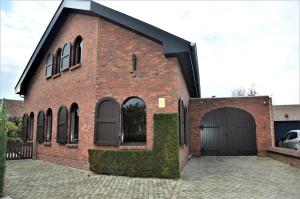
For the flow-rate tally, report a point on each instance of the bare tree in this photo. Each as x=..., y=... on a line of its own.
x=252, y=92
x=238, y=92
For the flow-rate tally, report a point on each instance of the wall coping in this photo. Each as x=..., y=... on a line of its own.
x=285, y=151
x=212, y=98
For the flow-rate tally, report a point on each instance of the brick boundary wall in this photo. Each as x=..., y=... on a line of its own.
x=288, y=156
x=258, y=107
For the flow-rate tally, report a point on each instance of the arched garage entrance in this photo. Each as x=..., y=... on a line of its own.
x=228, y=131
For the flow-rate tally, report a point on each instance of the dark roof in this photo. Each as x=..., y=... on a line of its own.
x=174, y=46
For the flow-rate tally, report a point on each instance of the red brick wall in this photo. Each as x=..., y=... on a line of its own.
x=258, y=107
x=104, y=71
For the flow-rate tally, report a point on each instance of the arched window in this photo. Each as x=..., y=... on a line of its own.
x=77, y=49
x=134, y=121
x=49, y=62
x=57, y=61
x=65, y=57
x=25, y=122
x=74, y=123
x=40, y=127
x=30, y=126
x=107, y=122
x=48, y=125
x=62, y=125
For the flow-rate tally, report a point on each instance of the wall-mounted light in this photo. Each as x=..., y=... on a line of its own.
x=133, y=65
x=286, y=116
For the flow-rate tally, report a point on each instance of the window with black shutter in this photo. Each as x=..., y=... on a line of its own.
x=49, y=63
x=30, y=126
x=48, y=125
x=186, y=125
x=65, y=57
x=134, y=121
x=25, y=122
x=181, y=121
x=62, y=125
x=74, y=123
x=107, y=122
x=40, y=127
x=57, y=61
x=77, y=50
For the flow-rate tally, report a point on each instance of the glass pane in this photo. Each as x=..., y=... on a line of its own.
x=134, y=120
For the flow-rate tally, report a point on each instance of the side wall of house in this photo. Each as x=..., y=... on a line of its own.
x=72, y=86
x=258, y=107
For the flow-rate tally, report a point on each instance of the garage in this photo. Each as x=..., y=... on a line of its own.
x=282, y=127
x=228, y=131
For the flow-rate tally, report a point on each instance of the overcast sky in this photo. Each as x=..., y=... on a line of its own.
x=240, y=44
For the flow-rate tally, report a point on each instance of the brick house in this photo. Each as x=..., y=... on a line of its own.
x=96, y=79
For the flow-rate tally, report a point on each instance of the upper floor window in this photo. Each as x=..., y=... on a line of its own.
x=65, y=56
x=49, y=62
x=77, y=55
x=134, y=121
x=56, y=68
x=62, y=125
x=74, y=124
x=40, y=127
x=48, y=125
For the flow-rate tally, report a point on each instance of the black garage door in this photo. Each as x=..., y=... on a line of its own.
x=228, y=131
x=283, y=127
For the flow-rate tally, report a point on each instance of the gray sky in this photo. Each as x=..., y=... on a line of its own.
x=240, y=44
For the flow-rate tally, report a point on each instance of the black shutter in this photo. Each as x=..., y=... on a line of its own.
x=181, y=121
x=25, y=127
x=40, y=127
x=107, y=122
x=62, y=125
x=49, y=64
x=186, y=125
x=65, y=57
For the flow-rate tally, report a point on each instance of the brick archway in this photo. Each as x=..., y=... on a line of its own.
x=258, y=107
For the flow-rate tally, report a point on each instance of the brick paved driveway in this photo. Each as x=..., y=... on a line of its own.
x=208, y=177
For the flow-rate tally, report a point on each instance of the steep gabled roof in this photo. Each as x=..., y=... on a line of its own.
x=173, y=46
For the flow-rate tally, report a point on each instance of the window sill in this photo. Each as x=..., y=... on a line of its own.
x=128, y=147
x=72, y=145
x=47, y=143
x=56, y=75
x=74, y=67
x=49, y=77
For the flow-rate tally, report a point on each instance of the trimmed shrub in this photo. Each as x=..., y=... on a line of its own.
x=161, y=162
x=2, y=147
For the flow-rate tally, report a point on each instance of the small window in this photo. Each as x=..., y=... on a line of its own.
x=56, y=69
x=48, y=125
x=186, y=125
x=30, y=127
x=62, y=125
x=181, y=121
x=74, y=124
x=134, y=121
x=77, y=55
x=65, y=57
x=40, y=127
x=25, y=122
x=107, y=122
x=49, y=63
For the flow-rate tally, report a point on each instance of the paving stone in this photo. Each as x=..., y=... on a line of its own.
x=207, y=177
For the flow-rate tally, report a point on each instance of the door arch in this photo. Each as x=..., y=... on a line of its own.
x=228, y=131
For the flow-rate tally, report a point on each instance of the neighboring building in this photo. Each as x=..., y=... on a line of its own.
x=91, y=66
x=14, y=108
x=286, y=118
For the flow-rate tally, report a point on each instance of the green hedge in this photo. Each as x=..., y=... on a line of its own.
x=2, y=147
x=161, y=162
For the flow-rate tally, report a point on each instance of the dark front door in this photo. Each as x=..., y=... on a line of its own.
x=228, y=131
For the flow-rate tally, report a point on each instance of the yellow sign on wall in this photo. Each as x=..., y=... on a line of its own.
x=161, y=103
